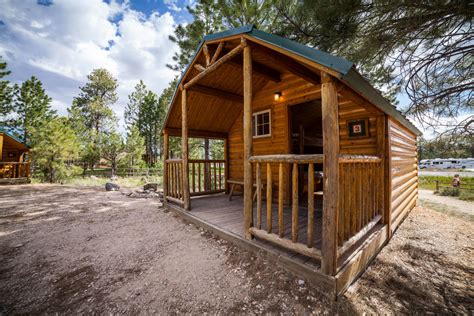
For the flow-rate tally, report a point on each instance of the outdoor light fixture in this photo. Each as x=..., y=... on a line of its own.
x=277, y=96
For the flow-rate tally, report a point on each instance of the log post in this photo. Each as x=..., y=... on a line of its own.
x=331, y=173
x=248, y=182
x=165, y=166
x=381, y=167
x=184, y=150
x=226, y=164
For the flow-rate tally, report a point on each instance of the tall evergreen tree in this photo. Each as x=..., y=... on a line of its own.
x=31, y=108
x=6, y=92
x=56, y=147
x=91, y=114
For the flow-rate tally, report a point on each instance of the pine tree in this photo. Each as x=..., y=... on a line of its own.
x=112, y=146
x=6, y=93
x=55, y=149
x=31, y=108
x=134, y=148
x=91, y=115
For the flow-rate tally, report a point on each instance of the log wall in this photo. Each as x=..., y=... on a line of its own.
x=404, y=171
x=294, y=90
x=351, y=109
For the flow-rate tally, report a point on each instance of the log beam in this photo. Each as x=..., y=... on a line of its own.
x=331, y=173
x=165, y=166
x=248, y=181
x=205, y=50
x=226, y=95
x=259, y=69
x=196, y=133
x=217, y=52
x=237, y=50
x=291, y=65
x=184, y=149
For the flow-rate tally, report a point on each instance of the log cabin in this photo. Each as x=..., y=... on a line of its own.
x=327, y=167
x=14, y=165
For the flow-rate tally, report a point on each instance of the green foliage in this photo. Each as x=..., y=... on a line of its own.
x=146, y=112
x=461, y=146
x=466, y=195
x=92, y=118
x=6, y=92
x=30, y=108
x=55, y=149
x=450, y=192
x=112, y=146
x=134, y=149
x=95, y=99
x=429, y=182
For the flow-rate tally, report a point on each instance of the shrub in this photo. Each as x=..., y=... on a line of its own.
x=450, y=192
x=466, y=195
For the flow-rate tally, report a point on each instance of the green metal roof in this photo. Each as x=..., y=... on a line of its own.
x=348, y=74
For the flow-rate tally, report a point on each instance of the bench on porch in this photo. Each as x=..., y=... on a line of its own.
x=233, y=183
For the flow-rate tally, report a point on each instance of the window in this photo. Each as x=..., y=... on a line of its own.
x=261, y=126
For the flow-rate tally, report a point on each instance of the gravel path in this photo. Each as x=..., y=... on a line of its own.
x=447, y=203
x=82, y=250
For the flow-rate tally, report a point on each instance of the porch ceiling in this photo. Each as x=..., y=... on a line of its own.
x=216, y=101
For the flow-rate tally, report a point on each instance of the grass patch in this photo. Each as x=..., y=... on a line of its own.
x=429, y=182
x=466, y=195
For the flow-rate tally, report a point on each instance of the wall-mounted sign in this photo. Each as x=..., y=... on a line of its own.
x=358, y=128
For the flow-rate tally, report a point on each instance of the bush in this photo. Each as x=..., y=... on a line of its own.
x=450, y=192
x=466, y=195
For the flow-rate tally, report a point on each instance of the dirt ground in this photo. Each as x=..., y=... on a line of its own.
x=67, y=249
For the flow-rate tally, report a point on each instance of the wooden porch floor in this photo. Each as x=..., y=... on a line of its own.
x=228, y=215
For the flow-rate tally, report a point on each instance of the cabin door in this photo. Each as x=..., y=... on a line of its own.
x=306, y=137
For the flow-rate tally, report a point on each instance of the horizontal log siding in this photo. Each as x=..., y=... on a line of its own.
x=403, y=172
x=294, y=90
x=350, y=109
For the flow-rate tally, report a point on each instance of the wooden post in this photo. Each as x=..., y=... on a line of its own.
x=1, y=147
x=380, y=192
x=310, y=233
x=165, y=166
x=248, y=182
x=388, y=180
x=184, y=150
x=269, y=198
x=331, y=173
x=226, y=164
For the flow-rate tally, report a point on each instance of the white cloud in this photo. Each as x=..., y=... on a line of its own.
x=63, y=42
x=172, y=5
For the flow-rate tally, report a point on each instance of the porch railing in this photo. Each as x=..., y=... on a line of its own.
x=294, y=161
x=12, y=170
x=206, y=176
x=360, y=198
x=174, y=174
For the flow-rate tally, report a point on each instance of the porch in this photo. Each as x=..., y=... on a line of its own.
x=278, y=132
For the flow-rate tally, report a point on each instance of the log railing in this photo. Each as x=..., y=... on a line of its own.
x=360, y=198
x=13, y=170
x=174, y=180
x=263, y=164
x=206, y=176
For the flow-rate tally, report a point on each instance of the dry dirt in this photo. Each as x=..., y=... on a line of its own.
x=83, y=250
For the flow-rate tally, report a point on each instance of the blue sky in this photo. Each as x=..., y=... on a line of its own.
x=62, y=41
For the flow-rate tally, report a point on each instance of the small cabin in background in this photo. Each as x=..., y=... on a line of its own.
x=327, y=167
x=14, y=164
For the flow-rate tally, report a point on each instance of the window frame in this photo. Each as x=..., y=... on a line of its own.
x=254, y=123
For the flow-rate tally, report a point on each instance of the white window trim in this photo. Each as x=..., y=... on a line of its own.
x=254, y=115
